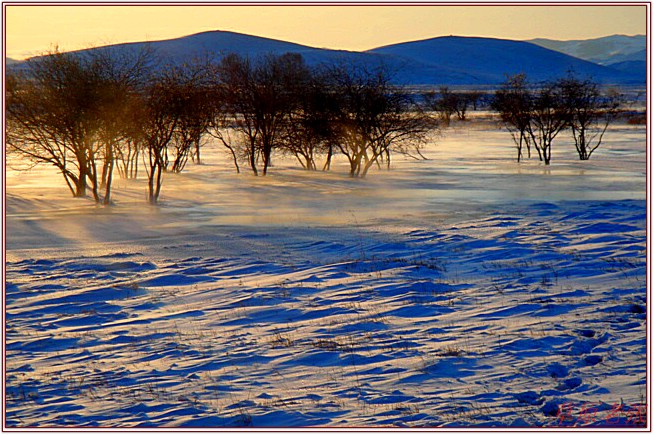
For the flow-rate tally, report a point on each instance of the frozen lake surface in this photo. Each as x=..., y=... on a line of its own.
x=463, y=290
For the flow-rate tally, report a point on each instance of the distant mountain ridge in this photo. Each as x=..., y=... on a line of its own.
x=450, y=60
x=619, y=52
x=606, y=50
x=489, y=60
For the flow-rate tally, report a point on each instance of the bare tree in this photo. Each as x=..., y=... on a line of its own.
x=122, y=74
x=237, y=83
x=448, y=103
x=474, y=98
x=65, y=110
x=159, y=116
x=514, y=101
x=45, y=116
x=221, y=128
x=549, y=116
x=259, y=94
x=376, y=118
x=196, y=111
x=309, y=130
x=444, y=103
x=128, y=152
x=590, y=112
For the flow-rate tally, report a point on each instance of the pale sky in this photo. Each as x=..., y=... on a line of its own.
x=33, y=29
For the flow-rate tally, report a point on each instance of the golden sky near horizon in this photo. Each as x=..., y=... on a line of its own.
x=33, y=29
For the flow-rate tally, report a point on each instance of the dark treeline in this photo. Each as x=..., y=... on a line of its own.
x=94, y=113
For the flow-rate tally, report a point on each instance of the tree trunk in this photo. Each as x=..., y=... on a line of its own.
x=80, y=183
x=547, y=153
x=328, y=162
x=108, y=160
x=353, y=168
x=109, y=164
x=107, y=188
x=159, y=182
x=267, y=150
x=197, y=153
x=93, y=174
x=253, y=162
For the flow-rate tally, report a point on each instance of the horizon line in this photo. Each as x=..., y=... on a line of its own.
x=22, y=58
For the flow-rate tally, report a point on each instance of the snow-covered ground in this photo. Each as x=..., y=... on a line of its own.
x=465, y=290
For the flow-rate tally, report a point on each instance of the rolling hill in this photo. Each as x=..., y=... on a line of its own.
x=488, y=60
x=444, y=60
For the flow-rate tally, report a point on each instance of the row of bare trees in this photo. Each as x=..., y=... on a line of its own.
x=89, y=113
x=446, y=103
x=279, y=103
x=70, y=113
x=94, y=112
x=535, y=115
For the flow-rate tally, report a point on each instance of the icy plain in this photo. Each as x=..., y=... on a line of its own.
x=463, y=290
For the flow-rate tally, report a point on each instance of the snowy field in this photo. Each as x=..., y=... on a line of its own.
x=465, y=290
